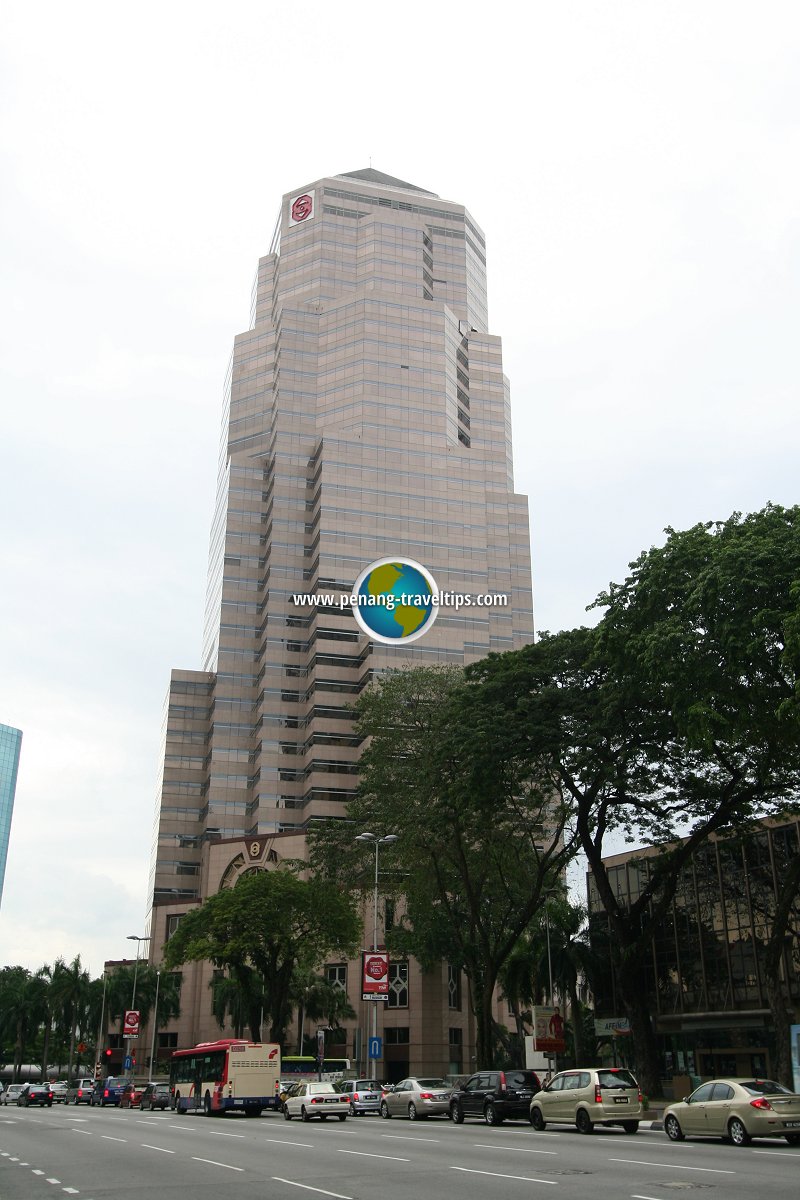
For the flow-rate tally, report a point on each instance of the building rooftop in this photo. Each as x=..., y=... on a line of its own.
x=370, y=175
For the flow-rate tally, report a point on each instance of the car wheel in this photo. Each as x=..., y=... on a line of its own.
x=490, y=1115
x=323, y=1116
x=737, y=1132
x=342, y=1116
x=672, y=1129
x=287, y=1116
x=456, y=1114
x=536, y=1119
x=304, y=1115
x=583, y=1121
x=412, y=1112
x=630, y=1126
x=793, y=1138
x=385, y=1111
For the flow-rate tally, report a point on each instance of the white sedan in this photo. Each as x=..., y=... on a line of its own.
x=316, y=1100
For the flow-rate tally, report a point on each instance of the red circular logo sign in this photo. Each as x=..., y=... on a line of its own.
x=132, y=1020
x=301, y=208
x=376, y=968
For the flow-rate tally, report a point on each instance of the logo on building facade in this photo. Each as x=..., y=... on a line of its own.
x=301, y=208
x=395, y=601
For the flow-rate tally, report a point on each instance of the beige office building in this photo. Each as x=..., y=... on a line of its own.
x=366, y=418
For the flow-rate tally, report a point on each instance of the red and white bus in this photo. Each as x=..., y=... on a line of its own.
x=226, y=1076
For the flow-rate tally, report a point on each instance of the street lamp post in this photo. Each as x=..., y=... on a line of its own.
x=155, y=1029
x=550, y=970
x=132, y=937
x=377, y=842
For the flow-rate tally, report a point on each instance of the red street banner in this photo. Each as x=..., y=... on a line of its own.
x=130, y=1025
x=374, y=975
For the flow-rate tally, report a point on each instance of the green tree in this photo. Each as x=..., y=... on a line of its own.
x=481, y=836
x=274, y=923
x=69, y=991
x=676, y=718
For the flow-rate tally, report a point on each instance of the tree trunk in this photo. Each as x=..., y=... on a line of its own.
x=645, y=1047
x=484, y=1023
x=576, y=1012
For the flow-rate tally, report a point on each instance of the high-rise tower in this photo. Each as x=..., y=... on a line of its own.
x=366, y=417
x=10, y=742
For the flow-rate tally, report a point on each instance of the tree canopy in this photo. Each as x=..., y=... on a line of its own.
x=264, y=930
x=481, y=834
x=674, y=719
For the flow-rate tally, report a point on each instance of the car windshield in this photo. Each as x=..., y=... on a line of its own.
x=766, y=1087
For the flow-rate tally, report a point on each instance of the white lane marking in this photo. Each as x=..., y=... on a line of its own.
x=188, y=1128
x=635, y=1197
x=13, y=1160
x=638, y=1162
x=72, y=1191
x=283, y=1142
x=213, y=1163
x=513, y=1149
x=400, y=1137
x=497, y=1175
x=309, y=1188
x=49, y=1180
x=82, y=1120
x=85, y=1132
x=161, y=1148
x=108, y=1138
x=783, y=1153
x=24, y=1164
x=35, y=1172
x=365, y=1154
x=5, y=1153
x=215, y=1133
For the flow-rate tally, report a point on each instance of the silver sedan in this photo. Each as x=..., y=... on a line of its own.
x=416, y=1099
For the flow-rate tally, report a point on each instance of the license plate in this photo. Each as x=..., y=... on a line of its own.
x=440, y=1095
x=620, y=1099
x=333, y=1100
x=792, y=1124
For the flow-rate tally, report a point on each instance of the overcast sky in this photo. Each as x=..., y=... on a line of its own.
x=635, y=167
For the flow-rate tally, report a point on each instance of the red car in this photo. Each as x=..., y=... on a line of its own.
x=132, y=1095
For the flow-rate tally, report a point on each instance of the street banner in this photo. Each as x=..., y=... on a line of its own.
x=612, y=1026
x=375, y=975
x=548, y=1029
x=130, y=1025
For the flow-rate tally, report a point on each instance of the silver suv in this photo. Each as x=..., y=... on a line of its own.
x=80, y=1091
x=364, y=1095
x=589, y=1097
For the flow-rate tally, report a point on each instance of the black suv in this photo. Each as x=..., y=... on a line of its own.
x=495, y=1095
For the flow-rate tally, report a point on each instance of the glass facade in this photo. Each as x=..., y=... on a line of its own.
x=705, y=976
x=10, y=742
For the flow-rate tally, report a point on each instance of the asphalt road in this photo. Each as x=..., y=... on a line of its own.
x=97, y=1153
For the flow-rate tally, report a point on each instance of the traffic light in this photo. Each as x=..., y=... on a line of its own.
x=107, y=1053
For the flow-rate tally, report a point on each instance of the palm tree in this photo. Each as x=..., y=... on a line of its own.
x=319, y=1000
x=70, y=994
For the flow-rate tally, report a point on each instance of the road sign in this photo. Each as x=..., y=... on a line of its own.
x=127, y=1062
x=375, y=1047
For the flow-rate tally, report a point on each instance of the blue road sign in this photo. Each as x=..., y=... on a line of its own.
x=375, y=1047
x=127, y=1063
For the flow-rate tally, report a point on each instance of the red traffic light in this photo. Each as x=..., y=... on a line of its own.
x=107, y=1053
